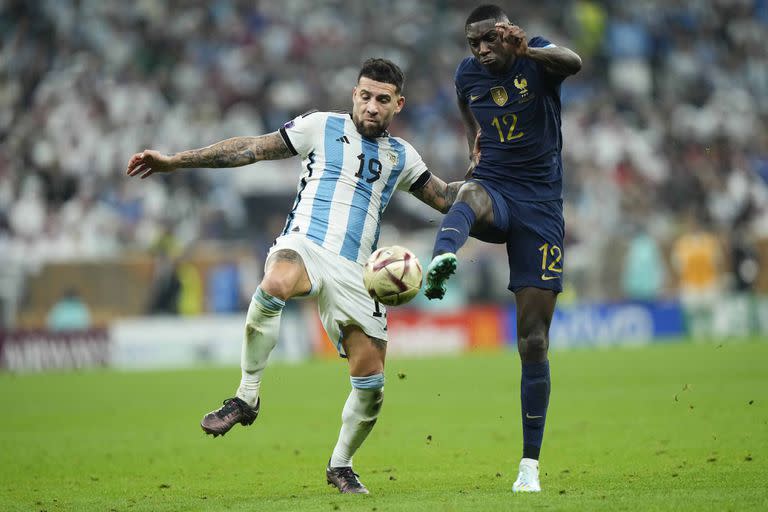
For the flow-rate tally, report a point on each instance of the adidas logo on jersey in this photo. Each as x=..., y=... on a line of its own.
x=343, y=139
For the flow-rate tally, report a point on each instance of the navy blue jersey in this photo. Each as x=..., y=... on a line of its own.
x=519, y=117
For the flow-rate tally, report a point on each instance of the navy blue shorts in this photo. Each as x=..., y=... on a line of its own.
x=533, y=232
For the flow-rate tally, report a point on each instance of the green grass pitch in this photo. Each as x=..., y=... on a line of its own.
x=667, y=427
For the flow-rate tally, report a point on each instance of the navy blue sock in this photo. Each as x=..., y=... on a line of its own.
x=454, y=230
x=534, y=398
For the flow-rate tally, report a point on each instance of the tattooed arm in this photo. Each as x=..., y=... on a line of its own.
x=233, y=152
x=437, y=194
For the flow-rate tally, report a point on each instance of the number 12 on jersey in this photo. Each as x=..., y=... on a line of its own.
x=506, y=123
x=555, y=253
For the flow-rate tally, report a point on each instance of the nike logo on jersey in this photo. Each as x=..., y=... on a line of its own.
x=343, y=139
x=545, y=277
x=473, y=97
x=450, y=229
x=532, y=417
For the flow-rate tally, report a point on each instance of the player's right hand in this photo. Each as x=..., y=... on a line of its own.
x=475, y=158
x=514, y=38
x=149, y=162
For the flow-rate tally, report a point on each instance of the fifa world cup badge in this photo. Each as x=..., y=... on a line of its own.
x=499, y=95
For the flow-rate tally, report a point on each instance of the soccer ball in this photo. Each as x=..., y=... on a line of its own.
x=392, y=275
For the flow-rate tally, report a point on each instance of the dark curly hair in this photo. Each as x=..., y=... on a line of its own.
x=486, y=12
x=383, y=70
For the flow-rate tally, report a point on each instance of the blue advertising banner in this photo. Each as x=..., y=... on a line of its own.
x=609, y=324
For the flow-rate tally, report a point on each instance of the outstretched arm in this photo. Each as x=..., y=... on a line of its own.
x=557, y=60
x=438, y=194
x=233, y=152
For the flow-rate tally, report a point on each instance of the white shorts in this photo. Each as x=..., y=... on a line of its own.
x=338, y=285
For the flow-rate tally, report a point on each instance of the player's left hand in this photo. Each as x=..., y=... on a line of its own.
x=514, y=39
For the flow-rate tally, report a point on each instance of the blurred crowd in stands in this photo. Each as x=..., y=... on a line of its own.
x=665, y=128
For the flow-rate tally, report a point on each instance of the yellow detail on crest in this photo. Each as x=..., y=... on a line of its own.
x=392, y=157
x=522, y=86
x=499, y=95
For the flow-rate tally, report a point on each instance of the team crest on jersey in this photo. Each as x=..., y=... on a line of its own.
x=522, y=85
x=392, y=156
x=499, y=95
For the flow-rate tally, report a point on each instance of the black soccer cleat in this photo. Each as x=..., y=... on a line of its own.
x=233, y=411
x=345, y=480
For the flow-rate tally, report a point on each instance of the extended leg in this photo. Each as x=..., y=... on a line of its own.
x=535, y=308
x=286, y=277
x=473, y=205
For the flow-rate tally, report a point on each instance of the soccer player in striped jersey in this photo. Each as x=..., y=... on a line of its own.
x=509, y=98
x=351, y=166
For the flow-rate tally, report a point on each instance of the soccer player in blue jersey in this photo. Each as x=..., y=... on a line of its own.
x=350, y=167
x=509, y=99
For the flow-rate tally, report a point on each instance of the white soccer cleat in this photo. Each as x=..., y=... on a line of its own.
x=528, y=477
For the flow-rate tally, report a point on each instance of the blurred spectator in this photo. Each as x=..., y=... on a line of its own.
x=697, y=257
x=166, y=287
x=69, y=313
x=223, y=288
x=670, y=111
x=644, y=270
x=745, y=265
x=590, y=20
x=190, y=299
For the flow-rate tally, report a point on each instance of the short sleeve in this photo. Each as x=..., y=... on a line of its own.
x=459, y=80
x=551, y=79
x=299, y=133
x=459, y=91
x=540, y=42
x=413, y=170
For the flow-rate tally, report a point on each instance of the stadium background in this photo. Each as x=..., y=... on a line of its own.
x=666, y=165
x=666, y=169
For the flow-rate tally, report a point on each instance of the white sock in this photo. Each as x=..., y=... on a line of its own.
x=250, y=384
x=262, y=325
x=357, y=420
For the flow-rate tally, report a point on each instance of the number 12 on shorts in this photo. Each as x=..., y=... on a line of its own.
x=551, y=256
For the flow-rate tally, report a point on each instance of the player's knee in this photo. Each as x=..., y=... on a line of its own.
x=279, y=285
x=286, y=276
x=470, y=193
x=533, y=347
x=477, y=198
x=365, y=364
x=365, y=355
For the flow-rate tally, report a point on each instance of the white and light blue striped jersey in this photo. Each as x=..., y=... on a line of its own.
x=347, y=181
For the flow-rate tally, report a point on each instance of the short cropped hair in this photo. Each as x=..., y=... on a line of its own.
x=383, y=70
x=486, y=12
